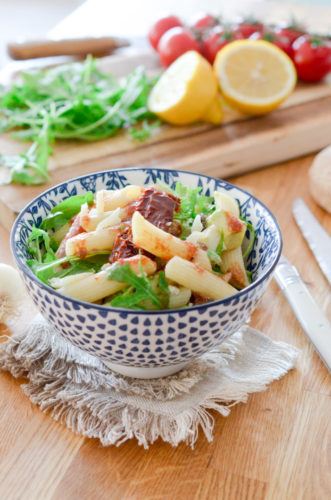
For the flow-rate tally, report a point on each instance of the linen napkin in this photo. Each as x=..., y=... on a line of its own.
x=78, y=390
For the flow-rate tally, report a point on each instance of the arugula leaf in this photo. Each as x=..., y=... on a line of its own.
x=213, y=256
x=141, y=289
x=192, y=204
x=64, y=211
x=249, y=276
x=52, y=269
x=220, y=246
x=30, y=167
x=252, y=237
x=145, y=131
x=71, y=101
x=163, y=288
x=37, y=238
x=129, y=301
x=71, y=206
x=46, y=271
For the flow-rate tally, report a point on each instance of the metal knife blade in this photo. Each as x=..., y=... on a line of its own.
x=311, y=317
x=317, y=238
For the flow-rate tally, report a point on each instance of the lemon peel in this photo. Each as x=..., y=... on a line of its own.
x=185, y=90
x=254, y=76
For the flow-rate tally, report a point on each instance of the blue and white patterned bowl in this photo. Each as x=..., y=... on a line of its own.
x=148, y=343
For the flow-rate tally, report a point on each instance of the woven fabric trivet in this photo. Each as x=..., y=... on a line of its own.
x=78, y=390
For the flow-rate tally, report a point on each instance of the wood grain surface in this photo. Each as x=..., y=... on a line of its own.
x=302, y=125
x=275, y=447
x=240, y=144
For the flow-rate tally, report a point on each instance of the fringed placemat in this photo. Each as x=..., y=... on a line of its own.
x=78, y=390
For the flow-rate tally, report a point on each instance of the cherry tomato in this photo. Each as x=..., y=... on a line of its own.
x=203, y=21
x=291, y=31
x=244, y=28
x=160, y=27
x=215, y=40
x=174, y=43
x=312, y=58
x=280, y=41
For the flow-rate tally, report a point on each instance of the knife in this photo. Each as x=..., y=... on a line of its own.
x=317, y=238
x=31, y=49
x=311, y=317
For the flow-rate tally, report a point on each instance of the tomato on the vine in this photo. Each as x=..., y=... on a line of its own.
x=244, y=28
x=202, y=22
x=291, y=31
x=174, y=43
x=312, y=57
x=215, y=40
x=160, y=27
x=281, y=42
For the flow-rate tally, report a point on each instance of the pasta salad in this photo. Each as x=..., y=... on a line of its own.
x=143, y=247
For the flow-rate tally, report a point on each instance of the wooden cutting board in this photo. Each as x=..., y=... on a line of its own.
x=300, y=126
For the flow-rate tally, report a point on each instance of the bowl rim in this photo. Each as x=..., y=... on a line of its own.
x=26, y=270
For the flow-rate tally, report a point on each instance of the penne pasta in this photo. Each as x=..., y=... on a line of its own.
x=197, y=279
x=97, y=286
x=198, y=236
x=209, y=237
x=165, y=245
x=113, y=219
x=67, y=280
x=90, y=221
x=179, y=296
x=100, y=202
x=85, y=243
x=225, y=202
x=232, y=261
x=121, y=197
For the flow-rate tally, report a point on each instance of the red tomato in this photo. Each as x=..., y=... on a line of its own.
x=160, y=27
x=281, y=42
x=246, y=27
x=312, y=58
x=216, y=39
x=203, y=21
x=174, y=43
x=291, y=31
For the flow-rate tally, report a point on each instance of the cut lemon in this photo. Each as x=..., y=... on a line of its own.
x=254, y=76
x=214, y=112
x=185, y=90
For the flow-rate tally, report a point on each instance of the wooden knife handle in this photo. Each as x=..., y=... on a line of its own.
x=71, y=47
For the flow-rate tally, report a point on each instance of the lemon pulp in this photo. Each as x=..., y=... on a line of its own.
x=185, y=90
x=254, y=76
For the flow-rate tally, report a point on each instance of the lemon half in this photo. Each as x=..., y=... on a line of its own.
x=254, y=76
x=185, y=91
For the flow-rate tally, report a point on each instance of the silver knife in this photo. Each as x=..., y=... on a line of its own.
x=317, y=238
x=311, y=317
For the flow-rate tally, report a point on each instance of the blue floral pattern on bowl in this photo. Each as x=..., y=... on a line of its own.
x=149, y=338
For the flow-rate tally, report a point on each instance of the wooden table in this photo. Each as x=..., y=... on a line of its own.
x=273, y=447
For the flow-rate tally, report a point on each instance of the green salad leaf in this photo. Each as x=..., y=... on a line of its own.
x=140, y=289
x=47, y=270
x=213, y=256
x=71, y=101
x=37, y=240
x=252, y=237
x=192, y=204
x=64, y=211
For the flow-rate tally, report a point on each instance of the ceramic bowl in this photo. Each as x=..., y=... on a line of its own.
x=148, y=344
